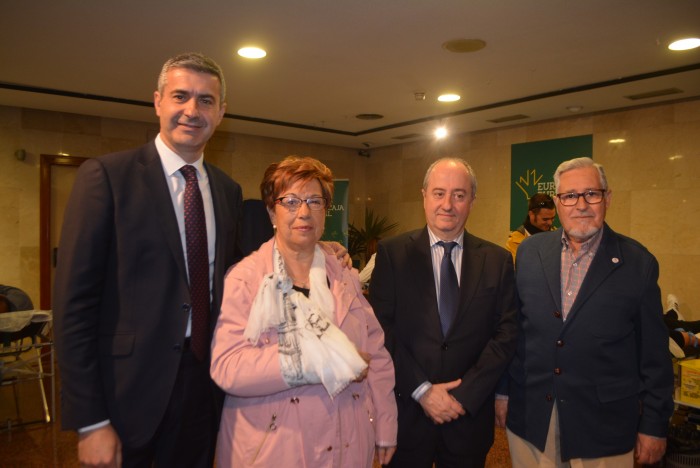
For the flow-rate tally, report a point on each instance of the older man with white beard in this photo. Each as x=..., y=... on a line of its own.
x=591, y=383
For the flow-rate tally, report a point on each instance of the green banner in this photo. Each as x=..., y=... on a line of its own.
x=337, y=214
x=532, y=170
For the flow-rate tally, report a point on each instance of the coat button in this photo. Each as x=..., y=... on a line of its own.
x=444, y=346
x=177, y=347
x=560, y=343
x=185, y=307
x=548, y=397
x=557, y=370
x=557, y=314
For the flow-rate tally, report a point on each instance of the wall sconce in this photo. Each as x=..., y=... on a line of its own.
x=21, y=155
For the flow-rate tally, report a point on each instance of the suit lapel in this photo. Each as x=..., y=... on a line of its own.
x=472, y=265
x=418, y=254
x=550, y=255
x=163, y=205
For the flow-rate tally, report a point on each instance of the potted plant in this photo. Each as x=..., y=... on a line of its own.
x=362, y=242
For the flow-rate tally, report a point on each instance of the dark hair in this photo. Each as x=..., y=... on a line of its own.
x=196, y=62
x=539, y=201
x=281, y=175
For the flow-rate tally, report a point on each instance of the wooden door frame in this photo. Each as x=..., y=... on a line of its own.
x=45, y=261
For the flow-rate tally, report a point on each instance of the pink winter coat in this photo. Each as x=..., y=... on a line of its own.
x=267, y=423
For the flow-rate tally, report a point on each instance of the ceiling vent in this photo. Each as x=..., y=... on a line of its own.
x=510, y=118
x=653, y=94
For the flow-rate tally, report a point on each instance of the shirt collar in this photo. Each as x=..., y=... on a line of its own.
x=591, y=245
x=172, y=162
x=435, y=239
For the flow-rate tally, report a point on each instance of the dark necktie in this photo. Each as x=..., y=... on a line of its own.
x=449, y=288
x=197, y=263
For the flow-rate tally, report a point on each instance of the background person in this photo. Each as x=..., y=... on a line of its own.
x=591, y=383
x=539, y=218
x=134, y=364
x=297, y=348
x=451, y=335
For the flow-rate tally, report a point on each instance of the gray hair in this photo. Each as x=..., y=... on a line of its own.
x=196, y=62
x=579, y=163
x=472, y=176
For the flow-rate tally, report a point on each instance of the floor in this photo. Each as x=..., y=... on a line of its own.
x=44, y=445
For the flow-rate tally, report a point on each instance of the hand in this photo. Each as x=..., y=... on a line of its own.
x=341, y=253
x=384, y=454
x=501, y=412
x=649, y=449
x=439, y=405
x=100, y=448
x=363, y=375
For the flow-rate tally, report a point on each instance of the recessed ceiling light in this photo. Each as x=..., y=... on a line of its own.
x=449, y=98
x=440, y=133
x=675, y=157
x=616, y=141
x=685, y=44
x=252, y=52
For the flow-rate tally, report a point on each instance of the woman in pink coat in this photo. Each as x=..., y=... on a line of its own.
x=297, y=347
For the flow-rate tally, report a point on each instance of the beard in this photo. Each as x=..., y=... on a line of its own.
x=582, y=234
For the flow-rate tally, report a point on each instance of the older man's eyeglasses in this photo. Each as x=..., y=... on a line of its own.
x=592, y=197
x=294, y=203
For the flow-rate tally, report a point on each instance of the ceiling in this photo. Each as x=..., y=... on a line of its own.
x=329, y=60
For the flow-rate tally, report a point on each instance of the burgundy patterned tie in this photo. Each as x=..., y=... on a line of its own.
x=197, y=262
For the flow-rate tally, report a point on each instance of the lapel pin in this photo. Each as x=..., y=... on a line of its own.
x=615, y=260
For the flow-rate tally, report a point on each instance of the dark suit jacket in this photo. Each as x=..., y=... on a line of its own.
x=607, y=361
x=477, y=348
x=121, y=296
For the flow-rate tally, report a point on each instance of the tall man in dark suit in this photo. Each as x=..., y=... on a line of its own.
x=591, y=382
x=135, y=378
x=451, y=335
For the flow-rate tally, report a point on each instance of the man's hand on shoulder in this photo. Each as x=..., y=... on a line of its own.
x=337, y=249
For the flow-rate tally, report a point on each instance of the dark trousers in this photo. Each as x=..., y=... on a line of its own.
x=187, y=434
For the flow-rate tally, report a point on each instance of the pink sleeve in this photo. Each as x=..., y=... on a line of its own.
x=237, y=366
x=381, y=379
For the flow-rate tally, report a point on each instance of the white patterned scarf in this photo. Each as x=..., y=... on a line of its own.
x=312, y=349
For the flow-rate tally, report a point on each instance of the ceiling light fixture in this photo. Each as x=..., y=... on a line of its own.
x=449, y=97
x=252, y=52
x=685, y=44
x=616, y=141
x=440, y=133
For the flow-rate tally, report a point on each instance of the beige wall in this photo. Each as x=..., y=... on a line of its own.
x=654, y=175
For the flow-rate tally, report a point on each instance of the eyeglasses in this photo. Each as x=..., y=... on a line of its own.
x=592, y=197
x=294, y=203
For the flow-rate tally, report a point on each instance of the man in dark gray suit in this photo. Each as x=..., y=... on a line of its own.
x=591, y=383
x=450, y=344
x=132, y=383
